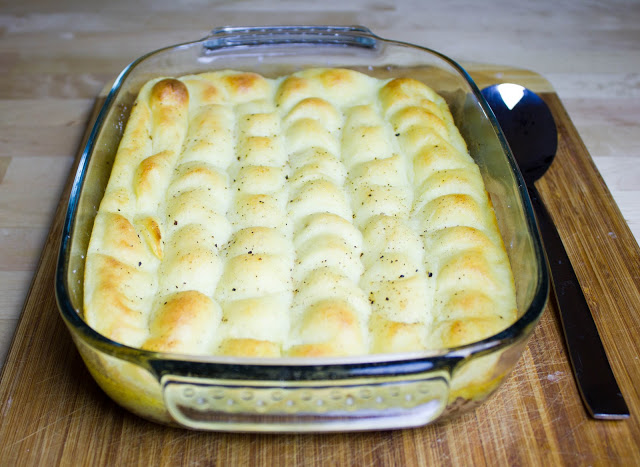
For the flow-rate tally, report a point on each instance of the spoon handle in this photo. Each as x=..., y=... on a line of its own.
x=596, y=382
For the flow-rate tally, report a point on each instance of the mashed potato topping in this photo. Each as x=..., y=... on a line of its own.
x=324, y=213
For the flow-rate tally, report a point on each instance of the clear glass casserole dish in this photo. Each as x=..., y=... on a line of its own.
x=311, y=394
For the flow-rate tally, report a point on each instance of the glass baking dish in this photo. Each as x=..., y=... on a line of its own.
x=295, y=394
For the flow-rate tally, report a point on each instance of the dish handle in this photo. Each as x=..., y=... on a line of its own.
x=305, y=406
x=226, y=37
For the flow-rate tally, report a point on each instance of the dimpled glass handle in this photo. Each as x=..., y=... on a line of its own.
x=257, y=36
x=304, y=406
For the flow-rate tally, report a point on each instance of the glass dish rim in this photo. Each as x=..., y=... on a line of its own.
x=140, y=356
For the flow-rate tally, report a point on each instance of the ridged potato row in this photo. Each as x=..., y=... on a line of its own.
x=466, y=260
x=330, y=312
x=394, y=277
x=324, y=213
x=255, y=289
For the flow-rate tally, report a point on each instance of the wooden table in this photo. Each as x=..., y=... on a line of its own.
x=56, y=59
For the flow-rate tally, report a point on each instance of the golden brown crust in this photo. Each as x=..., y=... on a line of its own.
x=168, y=101
x=328, y=328
x=168, y=92
x=113, y=305
x=150, y=230
x=185, y=323
x=325, y=213
x=246, y=86
x=395, y=336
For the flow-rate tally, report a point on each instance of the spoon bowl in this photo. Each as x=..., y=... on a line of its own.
x=528, y=125
x=530, y=130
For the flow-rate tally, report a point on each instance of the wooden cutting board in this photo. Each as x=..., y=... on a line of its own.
x=53, y=412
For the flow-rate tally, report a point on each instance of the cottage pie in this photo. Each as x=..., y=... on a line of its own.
x=324, y=213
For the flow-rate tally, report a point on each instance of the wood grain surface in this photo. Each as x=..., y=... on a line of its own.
x=53, y=412
x=55, y=57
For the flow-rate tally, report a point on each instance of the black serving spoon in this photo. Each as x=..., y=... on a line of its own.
x=531, y=132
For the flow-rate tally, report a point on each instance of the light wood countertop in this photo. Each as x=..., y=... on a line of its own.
x=56, y=57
